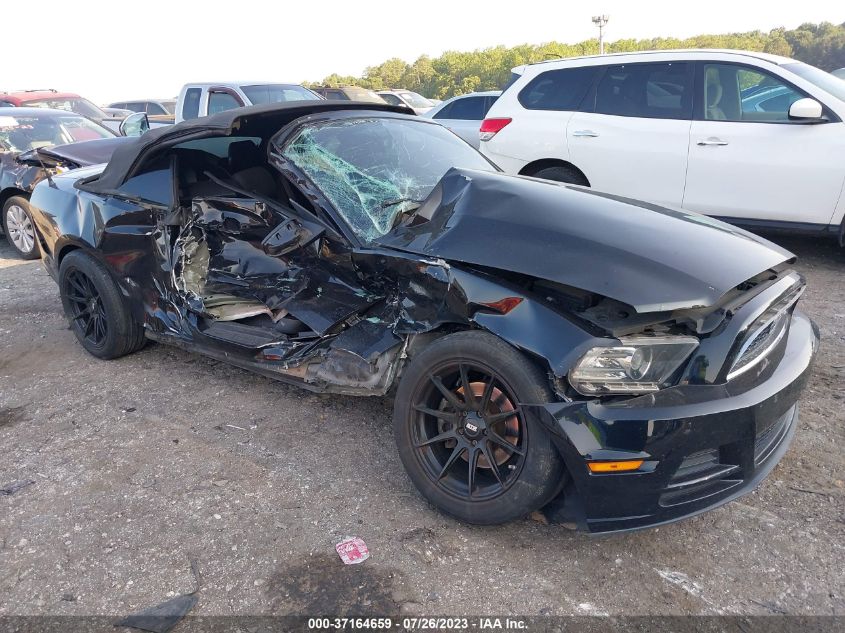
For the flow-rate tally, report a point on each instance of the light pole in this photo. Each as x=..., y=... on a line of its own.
x=601, y=22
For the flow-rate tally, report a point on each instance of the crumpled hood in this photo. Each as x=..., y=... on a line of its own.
x=647, y=256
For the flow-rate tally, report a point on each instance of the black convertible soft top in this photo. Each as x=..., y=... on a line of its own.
x=261, y=120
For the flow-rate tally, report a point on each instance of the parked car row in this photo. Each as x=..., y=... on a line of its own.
x=68, y=101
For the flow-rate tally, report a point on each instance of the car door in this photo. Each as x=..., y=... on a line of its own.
x=748, y=160
x=632, y=135
x=463, y=116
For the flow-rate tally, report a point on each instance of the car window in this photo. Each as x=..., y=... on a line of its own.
x=191, y=103
x=78, y=105
x=444, y=113
x=336, y=94
x=468, y=108
x=277, y=93
x=20, y=134
x=221, y=101
x=829, y=82
x=154, y=108
x=733, y=92
x=561, y=89
x=655, y=91
x=391, y=99
x=416, y=100
x=217, y=146
x=169, y=106
x=362, y=94
x=132, y=105
x=370, y=168
x=155, y=184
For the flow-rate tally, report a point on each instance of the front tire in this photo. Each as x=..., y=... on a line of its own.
x=19, y=227
x=95, y=308
x=465, y=441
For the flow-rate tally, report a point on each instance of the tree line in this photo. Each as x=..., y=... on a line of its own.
x=456, y=72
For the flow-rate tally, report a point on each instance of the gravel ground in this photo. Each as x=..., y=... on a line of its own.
x=145, y=463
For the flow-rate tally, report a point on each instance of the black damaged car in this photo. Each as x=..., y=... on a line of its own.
x=36, y=143
x=617, y=363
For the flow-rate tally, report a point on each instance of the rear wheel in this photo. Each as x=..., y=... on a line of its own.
x=95, y=308
x=562, y=173
x=465, y=440
x=19, y=228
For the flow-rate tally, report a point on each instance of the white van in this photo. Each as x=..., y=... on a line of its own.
x=753, y=138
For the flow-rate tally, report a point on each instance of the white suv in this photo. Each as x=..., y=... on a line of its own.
x=752, y=138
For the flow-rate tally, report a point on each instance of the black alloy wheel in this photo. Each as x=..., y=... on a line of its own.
x=465, y=440
x=470, y=436
x=86, y=310
x=97, y=310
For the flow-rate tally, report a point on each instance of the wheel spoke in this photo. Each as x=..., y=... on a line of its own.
x=442, y=437
x=450, y=397
x=89, y=326
x=498, y=417
x=78, y=286
x=488, y=392
x=469, y=396
x=76, y=297
x=488, y=453
x=101, y=328
x=83, y=314
x=437, y=413
x=498, y=439
x=472, y=464
x=456, y=452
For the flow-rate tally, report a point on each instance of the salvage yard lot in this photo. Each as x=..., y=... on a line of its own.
x=145, y=463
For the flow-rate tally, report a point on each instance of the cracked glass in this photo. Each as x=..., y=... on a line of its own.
x=373, y=170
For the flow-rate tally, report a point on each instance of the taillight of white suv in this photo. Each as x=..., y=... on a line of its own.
x=490, y=127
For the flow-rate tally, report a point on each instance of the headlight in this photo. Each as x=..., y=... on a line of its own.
x=640, y=365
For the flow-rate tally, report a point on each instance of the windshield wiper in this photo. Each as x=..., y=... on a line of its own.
x=393, y=203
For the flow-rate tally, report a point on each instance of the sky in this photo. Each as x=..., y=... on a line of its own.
x=109, y=51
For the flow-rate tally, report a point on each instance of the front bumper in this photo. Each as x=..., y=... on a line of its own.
x=702, y=445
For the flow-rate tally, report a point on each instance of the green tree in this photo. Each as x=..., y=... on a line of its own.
x=458, y=72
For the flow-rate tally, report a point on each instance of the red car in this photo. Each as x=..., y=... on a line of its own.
x=58, y=101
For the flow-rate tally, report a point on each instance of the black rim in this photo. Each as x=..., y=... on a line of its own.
x=86, y=308
x=468, y=431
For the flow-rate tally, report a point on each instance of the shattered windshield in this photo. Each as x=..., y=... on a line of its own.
x=374, y=169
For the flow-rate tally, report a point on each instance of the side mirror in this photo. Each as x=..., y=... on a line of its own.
x=806, y=109
x=134, y=125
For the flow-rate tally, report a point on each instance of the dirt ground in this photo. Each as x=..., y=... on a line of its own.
x=145, y=463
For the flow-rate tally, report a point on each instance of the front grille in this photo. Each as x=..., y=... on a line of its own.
x=700, y=475
x=765, y=332
x=768, y=439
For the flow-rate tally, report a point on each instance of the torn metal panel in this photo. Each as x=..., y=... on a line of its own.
x=367, y=339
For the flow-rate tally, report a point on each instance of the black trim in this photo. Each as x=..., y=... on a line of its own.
x=808, y=228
